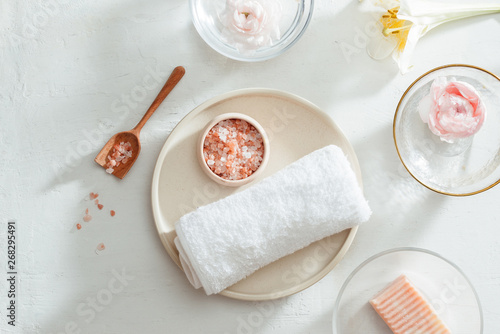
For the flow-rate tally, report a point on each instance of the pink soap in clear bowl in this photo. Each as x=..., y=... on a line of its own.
x=233, y=149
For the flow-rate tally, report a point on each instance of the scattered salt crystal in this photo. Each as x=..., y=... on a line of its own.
x=100, y=247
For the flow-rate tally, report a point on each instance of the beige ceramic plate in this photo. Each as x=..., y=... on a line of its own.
x=295, y=128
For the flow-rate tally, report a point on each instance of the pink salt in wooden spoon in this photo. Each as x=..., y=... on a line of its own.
x=117, y=151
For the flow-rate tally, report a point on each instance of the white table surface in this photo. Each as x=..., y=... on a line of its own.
x=66, y=72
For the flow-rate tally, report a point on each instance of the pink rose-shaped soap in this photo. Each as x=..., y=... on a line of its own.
x=453, y=109
x=251, y=24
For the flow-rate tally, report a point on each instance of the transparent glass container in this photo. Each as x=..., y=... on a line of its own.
x=469, y=165
x=208, y=19
x=441, y=282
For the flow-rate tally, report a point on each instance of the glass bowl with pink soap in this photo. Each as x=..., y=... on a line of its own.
x=447, y=130
x=251, y=30
x=407, y=290
x=233, y=149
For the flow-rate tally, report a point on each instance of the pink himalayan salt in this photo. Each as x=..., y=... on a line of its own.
x=233, y=149
x=121, y=153
x=87, y=217
x=96, y=202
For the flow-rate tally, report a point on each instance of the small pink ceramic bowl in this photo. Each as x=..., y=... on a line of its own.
x=219, y=179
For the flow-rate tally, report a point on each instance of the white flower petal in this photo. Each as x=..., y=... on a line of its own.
x=404, y=58
x=435, y=12
x=381, y=47
x=251, y=24
x=424, y=15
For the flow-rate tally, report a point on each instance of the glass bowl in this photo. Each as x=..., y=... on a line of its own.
x=210, y=19
x=442, y=283
x=466, y=167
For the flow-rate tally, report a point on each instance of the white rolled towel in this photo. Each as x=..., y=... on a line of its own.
x=310, y=199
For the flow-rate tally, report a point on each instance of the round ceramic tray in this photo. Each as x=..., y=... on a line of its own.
x=295, y=127
x=442, y=283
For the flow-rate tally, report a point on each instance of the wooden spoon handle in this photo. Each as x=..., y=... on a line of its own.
x=173, y=80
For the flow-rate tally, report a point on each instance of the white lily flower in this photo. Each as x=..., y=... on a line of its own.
x=405, y=24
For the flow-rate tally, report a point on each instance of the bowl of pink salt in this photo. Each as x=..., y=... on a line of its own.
x=446, y=130
x=233, y=149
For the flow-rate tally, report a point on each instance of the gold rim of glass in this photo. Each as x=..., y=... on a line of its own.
x=396, y=142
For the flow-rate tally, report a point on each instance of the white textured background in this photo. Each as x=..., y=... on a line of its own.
x=67, y=70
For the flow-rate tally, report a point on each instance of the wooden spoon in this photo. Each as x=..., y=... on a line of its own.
x=132, y=136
